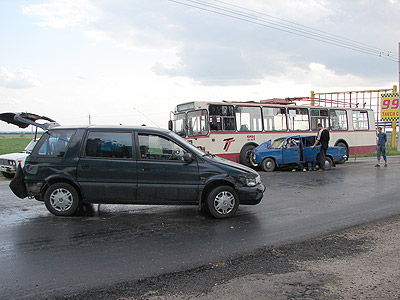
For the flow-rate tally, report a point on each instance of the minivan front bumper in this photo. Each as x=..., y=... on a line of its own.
x=251, y=195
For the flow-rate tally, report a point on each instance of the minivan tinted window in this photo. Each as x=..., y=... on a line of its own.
x=55, y=143
x=109, y=144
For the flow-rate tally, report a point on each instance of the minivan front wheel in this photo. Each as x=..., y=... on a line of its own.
x=222, y=202
x=61, y=199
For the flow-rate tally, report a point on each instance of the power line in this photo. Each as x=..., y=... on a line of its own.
x=307, y=27
x=287, y=26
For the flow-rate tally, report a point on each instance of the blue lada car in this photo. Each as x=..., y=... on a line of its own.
x=294, y=150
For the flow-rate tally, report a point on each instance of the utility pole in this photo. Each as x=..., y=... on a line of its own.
x=398, y=139
x=90, y=119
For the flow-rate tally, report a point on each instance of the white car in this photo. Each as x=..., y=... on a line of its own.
x=9, y=162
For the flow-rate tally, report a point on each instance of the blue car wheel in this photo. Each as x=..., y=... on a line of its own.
x=268, y=164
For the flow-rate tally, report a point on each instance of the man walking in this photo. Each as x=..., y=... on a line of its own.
x=381, y=140
x=323, y=139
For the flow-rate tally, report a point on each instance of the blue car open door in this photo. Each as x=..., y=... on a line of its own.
x=310, y=154
x=291, y=151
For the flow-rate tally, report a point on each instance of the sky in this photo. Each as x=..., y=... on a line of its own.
x=131, y=62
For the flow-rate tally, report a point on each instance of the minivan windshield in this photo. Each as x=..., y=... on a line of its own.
x=188, y=145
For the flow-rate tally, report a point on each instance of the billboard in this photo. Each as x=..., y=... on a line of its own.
x=390, y=107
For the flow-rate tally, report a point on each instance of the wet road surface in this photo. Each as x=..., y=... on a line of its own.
x=42, y=255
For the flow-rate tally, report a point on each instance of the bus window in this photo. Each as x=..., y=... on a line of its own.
x=222, y=118
x=248, y=118
x=360, y=120
x=274, y=119
x=180, y=124
x=338, y=119
x=319, y=115
x=298, y=119
x=197, y=122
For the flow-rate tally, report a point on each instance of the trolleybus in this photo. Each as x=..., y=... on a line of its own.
x=232, y=130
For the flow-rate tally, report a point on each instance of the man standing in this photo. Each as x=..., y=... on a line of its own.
x=381, y=140
x=323, y=139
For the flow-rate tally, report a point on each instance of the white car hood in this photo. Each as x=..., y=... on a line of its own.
x=14, y=156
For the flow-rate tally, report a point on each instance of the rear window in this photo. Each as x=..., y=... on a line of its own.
x=55, y=143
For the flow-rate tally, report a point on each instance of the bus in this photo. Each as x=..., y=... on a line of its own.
x=232, y=130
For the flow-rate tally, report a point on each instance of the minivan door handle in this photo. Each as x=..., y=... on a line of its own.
x=85, y=167
x=145, y=169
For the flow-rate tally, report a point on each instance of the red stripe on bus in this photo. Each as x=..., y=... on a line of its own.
x=362, y=149
x=230, y=156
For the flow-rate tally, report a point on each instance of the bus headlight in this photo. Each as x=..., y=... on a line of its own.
x=250, y=179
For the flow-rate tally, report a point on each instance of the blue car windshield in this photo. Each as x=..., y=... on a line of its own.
x=277, y=144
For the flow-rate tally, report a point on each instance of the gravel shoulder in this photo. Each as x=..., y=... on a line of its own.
x=358, y=263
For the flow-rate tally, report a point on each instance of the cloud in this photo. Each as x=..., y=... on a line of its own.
x=213, y=49
x=214, y=65
x=63, y=13
x=20, y=79
x=228, y=50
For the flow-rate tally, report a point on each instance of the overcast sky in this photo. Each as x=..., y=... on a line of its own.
x=132, y=61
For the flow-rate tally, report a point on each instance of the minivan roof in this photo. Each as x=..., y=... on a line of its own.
x=111, y=127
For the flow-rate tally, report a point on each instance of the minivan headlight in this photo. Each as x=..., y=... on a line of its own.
x=250, y=179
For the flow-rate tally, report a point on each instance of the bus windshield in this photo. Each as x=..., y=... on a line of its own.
x=180, y=124
x=197, y=122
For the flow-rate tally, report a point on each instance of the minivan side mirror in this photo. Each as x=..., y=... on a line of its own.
x=170, y=125
x=187, y=157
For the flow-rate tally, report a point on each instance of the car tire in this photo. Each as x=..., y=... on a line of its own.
x=222, y=202
x=246, y=156
x=8, y=175
x=61, y=199
x=328, y=163
x=343, y=145
x=268, y=164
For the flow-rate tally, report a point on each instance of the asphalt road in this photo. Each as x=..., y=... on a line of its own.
x=42, y=255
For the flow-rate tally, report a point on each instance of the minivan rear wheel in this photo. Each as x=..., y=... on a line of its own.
x=61, y=199
x=222, y=202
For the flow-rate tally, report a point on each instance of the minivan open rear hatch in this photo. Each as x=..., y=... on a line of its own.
x=25, y=119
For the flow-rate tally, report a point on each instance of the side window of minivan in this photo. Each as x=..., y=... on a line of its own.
x=159, y=148
x=55, y=143
x=109, y=144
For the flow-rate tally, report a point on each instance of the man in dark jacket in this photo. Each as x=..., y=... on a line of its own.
x=323, y=139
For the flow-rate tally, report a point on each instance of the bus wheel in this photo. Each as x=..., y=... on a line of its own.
x=268, y=164
x=328, y=163
x=343, y=145
x=246, y=156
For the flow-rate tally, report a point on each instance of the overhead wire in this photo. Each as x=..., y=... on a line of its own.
x=307, y=27
x=286, y=26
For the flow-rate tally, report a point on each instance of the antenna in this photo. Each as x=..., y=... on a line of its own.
x=147, y=117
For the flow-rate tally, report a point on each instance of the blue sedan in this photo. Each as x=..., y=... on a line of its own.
x=294, y=150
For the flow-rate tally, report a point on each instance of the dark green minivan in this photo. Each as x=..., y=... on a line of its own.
x=70, y=166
